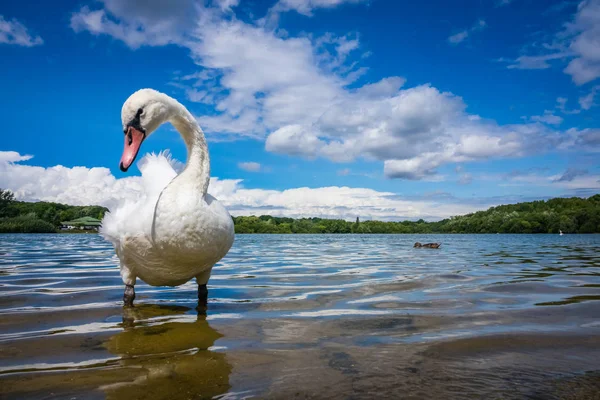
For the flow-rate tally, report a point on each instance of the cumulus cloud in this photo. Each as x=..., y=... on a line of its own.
x=14, y=32
x=548, y=118
x=588, y=139
x=250, y=166
x=306, y=7
x=586, y=102
x=153, y=23
x=13, y=156
x=294, y=140
x=301, y=96
x=227, y=5
x=462, y=35
x=585, y=43
x=578, y=43
x=413, y=132
x=87, y=186
x=76, y=186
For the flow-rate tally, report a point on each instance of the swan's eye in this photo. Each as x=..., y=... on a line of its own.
x=140, y=111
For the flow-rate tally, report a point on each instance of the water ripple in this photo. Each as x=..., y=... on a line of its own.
x=308, y=295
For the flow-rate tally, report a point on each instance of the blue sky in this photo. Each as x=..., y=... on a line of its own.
x=374, y=107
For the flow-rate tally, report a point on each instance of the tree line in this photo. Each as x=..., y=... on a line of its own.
x=40, y=217
x=570, y=215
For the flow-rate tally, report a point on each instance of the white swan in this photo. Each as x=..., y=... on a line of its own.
x=176, y=231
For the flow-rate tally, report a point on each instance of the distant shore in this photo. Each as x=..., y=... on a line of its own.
x=569, y=215
x=74, y=232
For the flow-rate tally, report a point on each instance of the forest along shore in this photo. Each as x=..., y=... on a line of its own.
x=569, y=215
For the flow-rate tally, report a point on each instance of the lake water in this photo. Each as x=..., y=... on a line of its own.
x=294, y=316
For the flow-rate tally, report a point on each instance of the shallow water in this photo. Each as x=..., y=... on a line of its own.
x=294, y=316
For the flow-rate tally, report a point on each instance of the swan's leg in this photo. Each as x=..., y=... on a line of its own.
x=128, y=296
x=202, y=296
x=129, y=281
x=202, y=279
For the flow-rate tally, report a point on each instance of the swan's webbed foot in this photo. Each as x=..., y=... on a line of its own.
x=128, y=296
x=202, y=298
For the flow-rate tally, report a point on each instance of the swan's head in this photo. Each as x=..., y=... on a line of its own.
x=143, y=112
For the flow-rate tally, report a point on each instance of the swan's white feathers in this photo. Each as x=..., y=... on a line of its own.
x=157, y=171
x=129, y=228
x=174, y=230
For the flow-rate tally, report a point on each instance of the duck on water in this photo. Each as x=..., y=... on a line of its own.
x=428, y=245
x=175, y=231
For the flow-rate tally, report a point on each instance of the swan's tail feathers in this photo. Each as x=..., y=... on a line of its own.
x=157, y=171
x=109, y=229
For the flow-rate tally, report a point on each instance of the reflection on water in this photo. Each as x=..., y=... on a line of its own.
x=153, y=356
x=485, y=316
x=169, y=360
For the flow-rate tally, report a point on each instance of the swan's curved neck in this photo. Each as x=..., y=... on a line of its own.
x=197, y=168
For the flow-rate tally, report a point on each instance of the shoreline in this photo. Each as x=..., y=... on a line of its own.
x=327, y=233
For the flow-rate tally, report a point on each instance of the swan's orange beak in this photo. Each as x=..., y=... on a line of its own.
x=133, y=141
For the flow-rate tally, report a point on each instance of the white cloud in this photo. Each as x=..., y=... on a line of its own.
x=153, y=23
x=77, y=185
x=461, y=36
x=87, y=186
x=294, y=140
x=250, y=166
x=585, y=44
x=578, y=42
x=227, y=5
x=458, y=37
x=384, y=88
x=548, y=118
x=537, y=62
x=586, y=102
x=561, y=105
x=266, y=81
x=415, y=168
x=13, y=156
x=570, y=181
x=502, y=3
x=306, y=7
x=296, y=93
x=413, y=132
x=465, y=179
x=14, y=32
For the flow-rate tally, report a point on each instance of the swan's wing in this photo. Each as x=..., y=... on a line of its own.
x=133, y=217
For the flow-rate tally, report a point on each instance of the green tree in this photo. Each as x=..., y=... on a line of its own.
x=6, y=199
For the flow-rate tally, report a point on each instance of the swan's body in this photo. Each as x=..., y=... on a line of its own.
x=170, y=236
x=175, y=231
